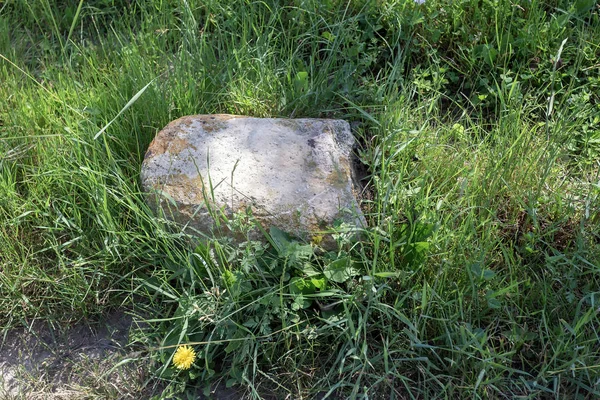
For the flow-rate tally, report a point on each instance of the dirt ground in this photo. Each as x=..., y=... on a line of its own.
x=89, y=360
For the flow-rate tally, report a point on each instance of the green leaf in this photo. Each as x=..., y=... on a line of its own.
x=420, y=247
x=388, y=274
x=236, y=376
x=319, y=283
x=492, y=301
x=340, y=270
x=300, y=302
x=301, y=82
x=280, y=239
x=235, y=344
x=328, y=35
x=583, y=6
x=486, y=52
x=488, y=274
x=298, y=251
x=309, y=269
x=302, y=286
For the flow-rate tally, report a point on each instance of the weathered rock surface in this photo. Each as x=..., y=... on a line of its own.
x=294, y=174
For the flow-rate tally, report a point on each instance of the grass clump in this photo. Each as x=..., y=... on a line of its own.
x=479, y=273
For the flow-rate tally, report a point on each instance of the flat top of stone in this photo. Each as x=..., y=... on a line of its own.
x=278, y=166
x=257, y=128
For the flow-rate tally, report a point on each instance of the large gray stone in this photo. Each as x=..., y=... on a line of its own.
x=294, y=174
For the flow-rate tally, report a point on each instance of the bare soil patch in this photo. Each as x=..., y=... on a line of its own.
x=92, y=359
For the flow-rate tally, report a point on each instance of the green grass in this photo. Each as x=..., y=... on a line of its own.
x=479, y=274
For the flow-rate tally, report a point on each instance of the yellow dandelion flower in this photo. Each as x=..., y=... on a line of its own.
x=184, y=357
